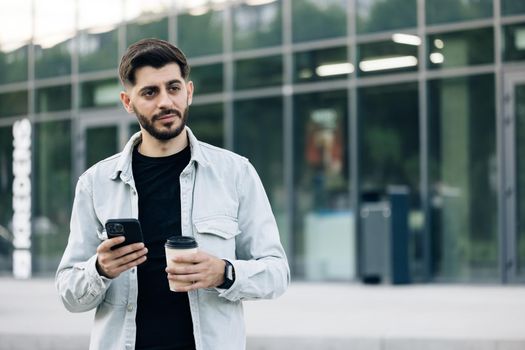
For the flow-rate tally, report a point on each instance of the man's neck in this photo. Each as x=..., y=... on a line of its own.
x=152, y=147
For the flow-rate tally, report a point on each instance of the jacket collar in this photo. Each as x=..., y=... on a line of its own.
x=123, y=167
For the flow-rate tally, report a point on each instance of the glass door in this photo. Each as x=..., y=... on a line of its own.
x=513, y=247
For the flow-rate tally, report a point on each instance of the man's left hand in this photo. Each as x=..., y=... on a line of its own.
x=201, y=268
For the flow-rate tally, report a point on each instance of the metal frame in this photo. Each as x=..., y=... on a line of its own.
x=509, y=189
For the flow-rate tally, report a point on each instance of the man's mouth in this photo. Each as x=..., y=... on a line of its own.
x=167, y=115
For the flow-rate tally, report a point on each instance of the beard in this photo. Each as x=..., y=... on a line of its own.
x=164, y=132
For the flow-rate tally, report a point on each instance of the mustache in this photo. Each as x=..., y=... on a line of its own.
x=166, y=112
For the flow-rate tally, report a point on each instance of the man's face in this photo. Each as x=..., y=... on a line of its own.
x=160, y=99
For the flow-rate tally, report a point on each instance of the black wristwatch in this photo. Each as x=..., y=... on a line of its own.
x=229, y=275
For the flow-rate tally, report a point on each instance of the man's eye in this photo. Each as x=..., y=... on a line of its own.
x=174, y=88
x=148, y=93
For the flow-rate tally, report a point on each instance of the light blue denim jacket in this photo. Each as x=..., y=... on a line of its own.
x=223, y=205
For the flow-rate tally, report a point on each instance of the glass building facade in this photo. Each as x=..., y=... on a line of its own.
x=335, y=102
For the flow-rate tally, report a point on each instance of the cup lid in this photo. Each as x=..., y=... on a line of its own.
x=181, y=242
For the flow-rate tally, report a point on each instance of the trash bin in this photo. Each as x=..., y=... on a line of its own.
x=385, y=239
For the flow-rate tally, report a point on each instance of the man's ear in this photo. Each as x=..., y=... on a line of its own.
x=126, y=101
x=189, y=88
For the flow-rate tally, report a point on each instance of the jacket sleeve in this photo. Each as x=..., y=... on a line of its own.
x=80, y=286
x=261, y=268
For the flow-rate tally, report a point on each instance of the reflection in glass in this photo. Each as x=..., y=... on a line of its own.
x=97, y=51
x=52, y=193
x=147, y=29
x=512, y=7
x=322, y=64
x=258, y=135
x=100, y=93
x=142, y=8
x=99, y=14
x=315, y=20
x=442, y=11
x=386, y=57
x=324, y=239
x=200, y=35
x=390, y=153
x=457, y=49
x=13, y=65
x=6, y=195
x=514, y=42
x=463, y=178
x=15, y=28
x=207, y=79
x=13, y=103
x=55, y=98
x=101, y=142
x=257, y=26
x=380, y=15
x=54, y=23
x=390, y=149
x=53, y=61
x=206, y=122
x=258, y=72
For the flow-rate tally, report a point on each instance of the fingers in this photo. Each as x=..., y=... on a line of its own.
x=203, y=270
x=111, y=263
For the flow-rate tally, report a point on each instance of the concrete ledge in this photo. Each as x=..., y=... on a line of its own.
x=78, y=342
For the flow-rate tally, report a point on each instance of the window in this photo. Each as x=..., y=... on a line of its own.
x=201, y=34
x=322, y=64
x=258, y=135
x=207, y=78
x=463, y=178
x=315, y=20
x=13, y=103
x=206, y=122
x=257, y=26
x=100, y=93
x=136, y=31
x=324, y=239
x=514, y=42
x=386, y=57
x=380, y=15
x=258, y=72
x=444, y=11
x=52, y=193
x=464, y=48
x=13, y=64
x=50, y=99
x=6, y=195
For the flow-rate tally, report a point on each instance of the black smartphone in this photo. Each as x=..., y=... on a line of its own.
x=130, y=228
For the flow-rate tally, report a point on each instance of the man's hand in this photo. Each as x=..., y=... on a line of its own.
x=111, y=263
x=203, y=269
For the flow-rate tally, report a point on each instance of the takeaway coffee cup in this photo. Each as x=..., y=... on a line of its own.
x=177, y=246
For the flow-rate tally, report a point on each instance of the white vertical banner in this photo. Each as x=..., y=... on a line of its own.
x=22, y=199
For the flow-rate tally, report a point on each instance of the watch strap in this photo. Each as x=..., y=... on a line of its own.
x=229, y=275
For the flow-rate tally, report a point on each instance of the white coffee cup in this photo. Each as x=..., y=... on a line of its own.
x=177, y=246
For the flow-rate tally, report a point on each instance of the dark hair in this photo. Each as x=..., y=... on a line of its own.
x=150, y=52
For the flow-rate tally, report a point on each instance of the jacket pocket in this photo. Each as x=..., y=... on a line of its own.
x=216, y=235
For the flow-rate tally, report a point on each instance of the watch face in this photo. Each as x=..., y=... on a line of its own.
x=229, y=272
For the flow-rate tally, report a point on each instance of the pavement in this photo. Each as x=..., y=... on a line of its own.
x=308, y=316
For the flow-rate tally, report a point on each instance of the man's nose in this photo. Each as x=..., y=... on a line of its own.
x=164, y=100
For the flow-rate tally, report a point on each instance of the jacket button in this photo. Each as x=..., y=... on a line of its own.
x=130, y=307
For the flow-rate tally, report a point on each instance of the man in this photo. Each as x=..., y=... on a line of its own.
x=174, y=185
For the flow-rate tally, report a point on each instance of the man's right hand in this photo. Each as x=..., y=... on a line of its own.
x=111, y=263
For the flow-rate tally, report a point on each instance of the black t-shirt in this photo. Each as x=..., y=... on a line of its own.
x=163, y=317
